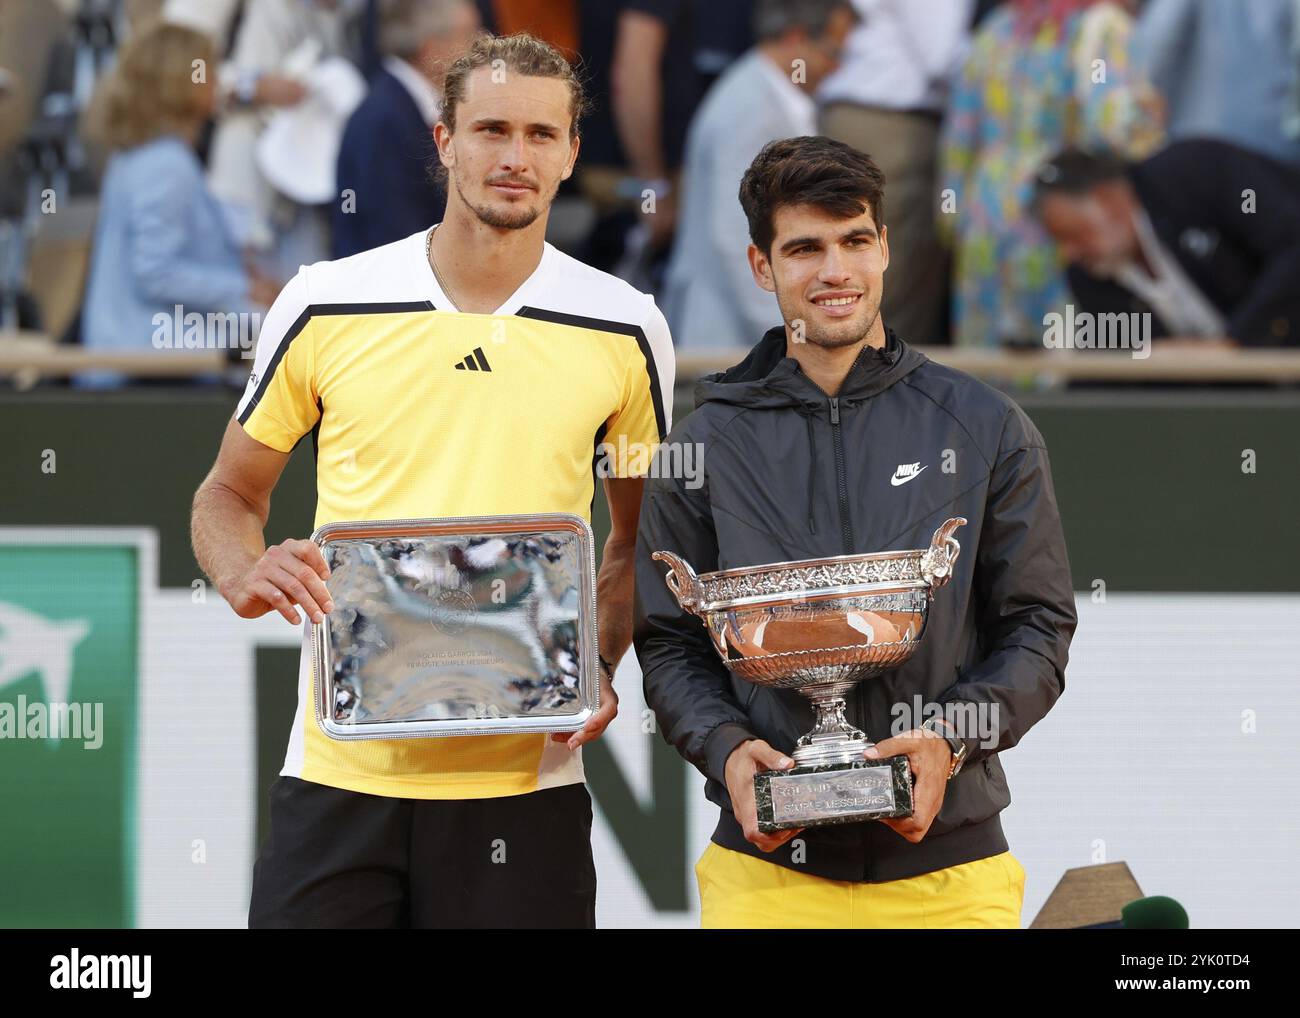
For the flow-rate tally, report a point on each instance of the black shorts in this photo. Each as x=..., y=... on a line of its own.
x=339, y=859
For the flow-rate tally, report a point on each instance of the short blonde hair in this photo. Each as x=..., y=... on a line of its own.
x=522, y=53
x=155, y=88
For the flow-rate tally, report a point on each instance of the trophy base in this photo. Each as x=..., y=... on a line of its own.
x=838, y=793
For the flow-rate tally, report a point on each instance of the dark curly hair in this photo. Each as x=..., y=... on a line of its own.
x=834, y=177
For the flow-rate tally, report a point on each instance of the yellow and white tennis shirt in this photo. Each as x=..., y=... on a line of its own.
x=417, y=410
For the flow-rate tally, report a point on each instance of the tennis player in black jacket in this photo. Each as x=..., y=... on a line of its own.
x=834, y=437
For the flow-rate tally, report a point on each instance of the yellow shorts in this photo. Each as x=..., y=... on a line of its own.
x=738, y=891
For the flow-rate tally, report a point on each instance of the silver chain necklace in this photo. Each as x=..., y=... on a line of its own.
x=433, y=263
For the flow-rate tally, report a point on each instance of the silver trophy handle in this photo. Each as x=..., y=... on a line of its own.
x=682, y=581
x=937, y=562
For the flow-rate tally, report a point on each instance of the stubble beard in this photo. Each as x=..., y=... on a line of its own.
x=831, y=338
x=506, y=219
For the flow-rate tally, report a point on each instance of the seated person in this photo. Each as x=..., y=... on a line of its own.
x=162, y=250
x=1204, y=236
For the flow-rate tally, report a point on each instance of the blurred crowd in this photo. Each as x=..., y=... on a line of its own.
x=1042, y=157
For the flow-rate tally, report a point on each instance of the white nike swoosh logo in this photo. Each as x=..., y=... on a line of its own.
x=896, y=480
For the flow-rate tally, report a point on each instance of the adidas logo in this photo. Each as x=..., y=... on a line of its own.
x=474, y=362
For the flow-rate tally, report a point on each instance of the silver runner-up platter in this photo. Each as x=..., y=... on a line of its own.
x=479, y=625
x=820, y=626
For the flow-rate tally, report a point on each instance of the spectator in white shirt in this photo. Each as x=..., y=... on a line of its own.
x=710, y=298
x=888, y=100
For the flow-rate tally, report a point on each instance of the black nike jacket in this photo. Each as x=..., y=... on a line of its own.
x=790, y=473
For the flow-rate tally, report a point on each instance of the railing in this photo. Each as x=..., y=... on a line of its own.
x=1046, y=366
x=28, y=357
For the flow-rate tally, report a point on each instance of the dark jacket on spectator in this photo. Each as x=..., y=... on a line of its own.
x=790, y=473
x=386, y=159
x=1246, y=263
